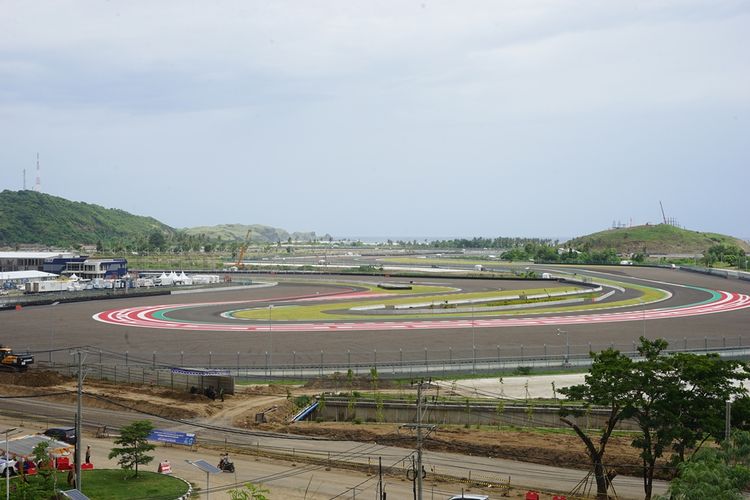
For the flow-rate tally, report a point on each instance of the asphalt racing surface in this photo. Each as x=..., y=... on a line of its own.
x=59, y=327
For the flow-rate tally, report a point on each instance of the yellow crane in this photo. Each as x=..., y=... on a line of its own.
x=243, y=249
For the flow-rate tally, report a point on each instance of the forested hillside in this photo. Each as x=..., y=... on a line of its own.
x=31, y=217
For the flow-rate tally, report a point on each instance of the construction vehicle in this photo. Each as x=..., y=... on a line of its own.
x=9, y=361
x=243, y=249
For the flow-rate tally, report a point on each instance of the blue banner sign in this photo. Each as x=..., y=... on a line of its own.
x=186, y=438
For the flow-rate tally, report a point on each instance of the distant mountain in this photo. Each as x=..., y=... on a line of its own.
x=658, y=239
x=258, y=233
x=29, y=217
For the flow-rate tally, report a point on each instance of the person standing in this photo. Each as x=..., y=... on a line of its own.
x=88, y=454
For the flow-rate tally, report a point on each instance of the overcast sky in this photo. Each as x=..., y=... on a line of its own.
x=409, y=118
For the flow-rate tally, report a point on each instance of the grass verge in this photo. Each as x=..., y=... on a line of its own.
x=115, y=484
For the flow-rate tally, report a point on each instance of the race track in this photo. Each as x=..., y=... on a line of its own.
x=192, y=327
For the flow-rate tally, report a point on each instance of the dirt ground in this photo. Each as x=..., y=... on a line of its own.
x=547, y=447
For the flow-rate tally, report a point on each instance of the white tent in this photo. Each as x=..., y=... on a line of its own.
x=165, y=280
x=24, y=446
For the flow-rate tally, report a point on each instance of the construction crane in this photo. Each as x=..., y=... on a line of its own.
x=662, y=212
x=243, y=249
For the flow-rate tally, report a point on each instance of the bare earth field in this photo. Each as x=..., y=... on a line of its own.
x=547, y=447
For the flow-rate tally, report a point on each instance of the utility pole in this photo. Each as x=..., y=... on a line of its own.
x=79, y=419
x=381, y=496
x=419, y=441
x=418, y=468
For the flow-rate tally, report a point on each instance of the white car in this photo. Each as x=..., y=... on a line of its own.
x=469, y=496
x=10, y=465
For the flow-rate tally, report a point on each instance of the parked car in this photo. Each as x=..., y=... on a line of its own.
x=469, y=496
x=66, y=435
x=10, y=465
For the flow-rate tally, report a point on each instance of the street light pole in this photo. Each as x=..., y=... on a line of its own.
x=7, y=464
x=473, y=343
x=270, y=339
x=567, y=345
x=52, y=333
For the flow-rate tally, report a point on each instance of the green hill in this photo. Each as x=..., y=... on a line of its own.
x=658, y=239
x=28, y=217
x=258, y=233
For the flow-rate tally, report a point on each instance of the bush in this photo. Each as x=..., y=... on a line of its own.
x=302, y=401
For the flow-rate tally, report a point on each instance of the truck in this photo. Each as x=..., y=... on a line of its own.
x=10, y=361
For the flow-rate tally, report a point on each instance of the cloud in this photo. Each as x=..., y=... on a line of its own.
x=459, y=108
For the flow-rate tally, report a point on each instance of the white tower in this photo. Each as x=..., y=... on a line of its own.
x=38, y=184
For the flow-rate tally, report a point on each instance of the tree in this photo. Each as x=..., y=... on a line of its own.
x=680, y=403
x=135, y=445
x=676, y=400
x=156, y=240
x=46, y=483
x=608, y=384
x=715, y=473
x=249, y=492
x=706, y=383
x=723, y=252
x=653, y=402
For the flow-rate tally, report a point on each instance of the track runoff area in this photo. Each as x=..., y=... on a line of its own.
x=352, y=304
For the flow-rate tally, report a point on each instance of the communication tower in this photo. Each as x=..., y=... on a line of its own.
x=38, y=183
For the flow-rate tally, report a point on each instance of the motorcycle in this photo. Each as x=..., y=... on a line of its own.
x=226, y=465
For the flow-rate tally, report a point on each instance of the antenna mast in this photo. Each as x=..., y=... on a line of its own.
x=38, y=184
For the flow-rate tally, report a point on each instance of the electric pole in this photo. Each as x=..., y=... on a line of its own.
x=79, y=419
x=418, y=468
x=419, y=440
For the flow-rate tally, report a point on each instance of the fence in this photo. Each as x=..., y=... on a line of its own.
x=145, y=375
x=155, y=369
x=722, y=273
x=49, y=298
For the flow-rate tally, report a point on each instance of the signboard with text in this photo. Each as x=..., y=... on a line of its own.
x=185, y=438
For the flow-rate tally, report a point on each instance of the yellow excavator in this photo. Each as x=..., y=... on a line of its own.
x=243, y=249
x=9, y=361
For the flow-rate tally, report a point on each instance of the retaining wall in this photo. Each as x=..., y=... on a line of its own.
x=459, y=414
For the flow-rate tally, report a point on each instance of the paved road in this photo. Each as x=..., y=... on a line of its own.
x=521, y=473
x=284, y=479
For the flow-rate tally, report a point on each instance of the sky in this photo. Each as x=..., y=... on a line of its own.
x=411, y=118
